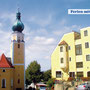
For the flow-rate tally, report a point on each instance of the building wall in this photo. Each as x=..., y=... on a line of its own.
x=86, y=51
x=18, y=53
x=55, y=58
x=72, y=39
x=19, y=74
x=69, y=39
x=8, y=75
x=55, y=62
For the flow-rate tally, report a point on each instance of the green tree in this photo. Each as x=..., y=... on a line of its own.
x=33, y=73
x=46, y=75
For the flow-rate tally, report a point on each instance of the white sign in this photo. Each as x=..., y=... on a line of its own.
x=78, y=11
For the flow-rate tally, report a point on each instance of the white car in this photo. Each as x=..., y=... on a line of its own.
x=84, y=86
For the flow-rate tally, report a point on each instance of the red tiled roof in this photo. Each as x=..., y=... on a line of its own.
x=4, y=62
x=62, y=43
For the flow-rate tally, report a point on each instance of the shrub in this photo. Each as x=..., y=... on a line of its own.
x=85, y=78
x=51, y=82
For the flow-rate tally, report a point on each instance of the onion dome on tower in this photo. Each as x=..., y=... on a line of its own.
x=18, y=25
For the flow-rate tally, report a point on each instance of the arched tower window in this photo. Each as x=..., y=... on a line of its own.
x=11, y=82
x=18, y=81
x=18, y=45
x=3, y=83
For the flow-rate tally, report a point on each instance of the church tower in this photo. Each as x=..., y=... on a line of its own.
x=18, y=53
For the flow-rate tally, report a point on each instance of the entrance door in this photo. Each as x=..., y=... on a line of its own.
x=18, y=88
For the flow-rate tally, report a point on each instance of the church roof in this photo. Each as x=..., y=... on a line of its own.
x=4, y=62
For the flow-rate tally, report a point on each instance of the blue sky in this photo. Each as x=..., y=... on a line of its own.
x=45, y=23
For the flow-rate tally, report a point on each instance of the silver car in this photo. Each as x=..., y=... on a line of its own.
x=84, y=86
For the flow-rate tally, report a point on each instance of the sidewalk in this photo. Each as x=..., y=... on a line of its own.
x=72, y=88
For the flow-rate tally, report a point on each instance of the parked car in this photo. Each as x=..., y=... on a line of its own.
x=84, y=86
x=41, y=86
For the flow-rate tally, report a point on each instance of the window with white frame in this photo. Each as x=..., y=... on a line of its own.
x=87, y=45
x=78, y=49
x=3, y=83
x=61, y=49
x=58, y=74
x=79, y=64
x=85, y=33
x=79, y=74
x=3, y=70
x=88, y=74
x=71, y=74
x=69, y=58
x=69, y=47
x=11, y=82
x=62, y=60
x=87, y=57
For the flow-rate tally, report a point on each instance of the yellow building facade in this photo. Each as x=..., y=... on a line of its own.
x=12, y=70
x=71, y=57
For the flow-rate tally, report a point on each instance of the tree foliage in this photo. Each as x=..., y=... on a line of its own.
x=33, y=73
x=46, y=75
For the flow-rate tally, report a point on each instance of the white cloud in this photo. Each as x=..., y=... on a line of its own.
x=43, y=40
x=8, y=16
x=40, y=49
x=41, y=31
x=1, y=25
x=66, y=29
x=47, y=57
x=42, y=21
x=62, y=22
x=4, y=42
